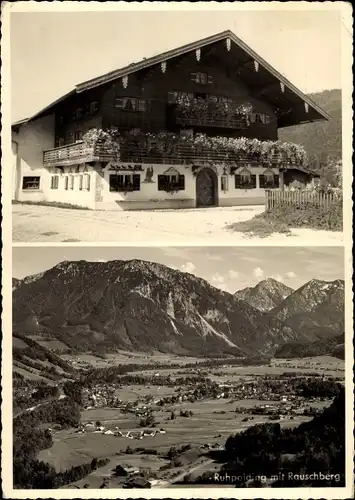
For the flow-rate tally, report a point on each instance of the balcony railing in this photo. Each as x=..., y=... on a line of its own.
x=72, y=154
x=181, y=152
x=208, y=119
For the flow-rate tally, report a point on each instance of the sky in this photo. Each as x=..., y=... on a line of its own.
x=227, y=268
x=51, y=52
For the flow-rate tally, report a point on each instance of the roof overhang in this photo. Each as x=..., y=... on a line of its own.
x=292, y=106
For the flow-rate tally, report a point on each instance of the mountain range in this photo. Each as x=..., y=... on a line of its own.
x=144, y=306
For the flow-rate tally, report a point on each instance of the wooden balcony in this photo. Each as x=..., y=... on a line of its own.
x=183, y=153
x=76, y=153
x=211, y=117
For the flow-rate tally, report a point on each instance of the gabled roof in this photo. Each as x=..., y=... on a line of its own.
x=267, y=73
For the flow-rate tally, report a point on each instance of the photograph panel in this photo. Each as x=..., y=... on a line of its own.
x=178, y=367
x=232, y=137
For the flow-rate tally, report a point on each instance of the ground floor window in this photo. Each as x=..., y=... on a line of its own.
x=30, y=183
x=269, y=180
x=171, y=182
x=54, y=181
x=245, y=180
x=71, y=182
x=224, y=183
x=66, y=182
x=125, y=182
x=84, y=182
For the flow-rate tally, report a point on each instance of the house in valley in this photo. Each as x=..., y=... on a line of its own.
x=193, y=127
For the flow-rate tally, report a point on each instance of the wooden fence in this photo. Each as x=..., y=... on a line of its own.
x=275, y=198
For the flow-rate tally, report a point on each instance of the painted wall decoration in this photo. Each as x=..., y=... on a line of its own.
x=171, y=171
x=149, y=174
x=124, y=167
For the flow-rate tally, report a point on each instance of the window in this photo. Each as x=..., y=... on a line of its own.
x=268, y=180
x=127, y=182
x=245, y=180
x=54, y=181
x=224, y=183
x=81, y=179
x=94, y=107
x=78, y=136
x=71, y=181
x=174, y=182
x=201, y=78
x=60, y=141
x=66, y=183
x=87, y=182
x=173, y=97
x=130, y=104
x=77, y=114
x=30, y=183
x=259, y=118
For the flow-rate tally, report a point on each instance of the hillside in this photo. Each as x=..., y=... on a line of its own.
x=32, y=360
x=333, y=346
x=265, y=295
x=322, y=139
x=142, y=306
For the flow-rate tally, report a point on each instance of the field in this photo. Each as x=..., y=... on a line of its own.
x=212, y=421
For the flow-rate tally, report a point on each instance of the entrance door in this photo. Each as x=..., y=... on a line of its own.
x=205, y=188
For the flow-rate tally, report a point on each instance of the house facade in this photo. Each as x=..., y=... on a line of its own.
x=193, y=127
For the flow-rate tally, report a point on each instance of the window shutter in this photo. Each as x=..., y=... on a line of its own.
x=237, y=180
x=209, y=79
x=276, y=180
x=119, y=102
x=136, y=182
x=253, y=181
x=161, y=182
x=81, y=182
x=141, y=105
x=194, y=77
x=182, y=182
x=262, y=181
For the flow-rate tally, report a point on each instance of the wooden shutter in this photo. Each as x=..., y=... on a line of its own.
x=161, y=182
x=238, y=179
x=136, y=182
x=209, y=79
x=182, y=182
x=194, y=77
x=253, y=181
x=262, y=181
x=276, y=181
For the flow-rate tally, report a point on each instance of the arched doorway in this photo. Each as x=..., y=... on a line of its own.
x=206, y=188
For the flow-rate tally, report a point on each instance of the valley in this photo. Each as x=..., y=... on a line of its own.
x=133, y=374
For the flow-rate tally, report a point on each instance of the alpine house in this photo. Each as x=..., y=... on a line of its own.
x=193, y=127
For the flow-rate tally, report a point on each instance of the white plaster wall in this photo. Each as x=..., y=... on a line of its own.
x=33, y=138
x=235, y=196
x=149, y=196
x=76, y=196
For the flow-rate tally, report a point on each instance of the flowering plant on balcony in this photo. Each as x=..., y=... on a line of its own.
x=222, y=149
x=106, y=139
x=200, y=110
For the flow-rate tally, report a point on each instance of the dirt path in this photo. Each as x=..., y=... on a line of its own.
x=34, y=223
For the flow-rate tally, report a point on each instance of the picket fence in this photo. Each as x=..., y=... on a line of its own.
x=275, y=198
